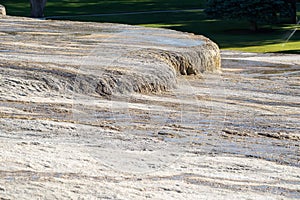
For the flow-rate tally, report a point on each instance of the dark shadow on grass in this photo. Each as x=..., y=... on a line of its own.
x=288, y=52
x=248, y=31
x=76, y=7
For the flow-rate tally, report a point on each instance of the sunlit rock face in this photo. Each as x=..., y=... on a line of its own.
x=2, y=10
x=108, y=111
x=104, y=58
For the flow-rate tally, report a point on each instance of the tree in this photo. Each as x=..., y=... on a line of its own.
x=292, y=5
x=254, y=11
x=37, y=8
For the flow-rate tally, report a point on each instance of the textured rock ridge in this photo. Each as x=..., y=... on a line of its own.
x=194, y=60
x=103, y=59
x=2, y=10
x=230, y=135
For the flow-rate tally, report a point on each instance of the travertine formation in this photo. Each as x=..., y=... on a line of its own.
x=2, y=10
x=105, y=58
x=107, y=111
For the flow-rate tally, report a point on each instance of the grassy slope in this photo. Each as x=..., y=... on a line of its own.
x=228, y=34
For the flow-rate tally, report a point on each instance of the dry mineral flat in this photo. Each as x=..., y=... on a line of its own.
x=107, y=111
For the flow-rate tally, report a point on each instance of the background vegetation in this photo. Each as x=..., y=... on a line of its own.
x=229, y=34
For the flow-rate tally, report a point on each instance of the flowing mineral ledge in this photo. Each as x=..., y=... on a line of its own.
x=102, y=58
x=229, y=135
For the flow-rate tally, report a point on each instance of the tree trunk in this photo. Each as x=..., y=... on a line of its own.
x=37, y=8
x=2, y=10
x=292, y=6
x=253, y=26
x=294, y=12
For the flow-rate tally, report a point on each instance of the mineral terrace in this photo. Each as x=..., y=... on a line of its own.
x=109, y=111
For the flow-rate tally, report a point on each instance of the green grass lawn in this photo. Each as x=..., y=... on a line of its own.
x=233, y=35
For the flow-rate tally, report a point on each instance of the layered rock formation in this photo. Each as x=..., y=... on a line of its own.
x=106, y=111
x=2, y=10
x=103, y=58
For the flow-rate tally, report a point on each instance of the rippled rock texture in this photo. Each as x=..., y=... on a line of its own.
x=101, y=58
x=106, y=111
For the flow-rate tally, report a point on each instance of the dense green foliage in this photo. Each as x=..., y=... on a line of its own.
x=254, y=11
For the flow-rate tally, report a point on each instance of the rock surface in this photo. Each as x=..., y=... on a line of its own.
x=76, y=123
x=104, y=58
x=2, y=10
